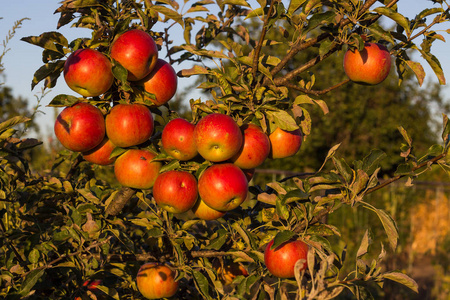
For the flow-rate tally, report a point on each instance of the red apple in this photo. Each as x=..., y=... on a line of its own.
x=88, y=72
x=284, y=143
x=129, y=124
x=80, y=127
x=218, y=137
x=223, y=187
x=369, y=66
x=135, y=169
x=175, y=191
x=204, y=212
x=281, y=261
x=92, y=284
x=156, y=281
x=178, y=139
x=100, y=155
x=162, y=82
x=255, y=148
x=136, y=51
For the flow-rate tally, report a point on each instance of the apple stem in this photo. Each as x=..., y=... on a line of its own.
x=120, y=200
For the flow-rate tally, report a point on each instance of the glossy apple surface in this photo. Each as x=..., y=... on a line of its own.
x=204, y=212
x=175, y=191
x=255, y=148
x=100, y=155
x=135, y=169
x=129, y=125
x=162, y=82
x=284, y=143
x=136, y=51
x=88, y=72
x=281, y=261
x=156, y=281
x=369, y=66
x=218, y=137
x=80, y=127
x=178, y=139
x=223, y=187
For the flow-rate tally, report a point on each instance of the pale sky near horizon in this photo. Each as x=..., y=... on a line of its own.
x=24, y=59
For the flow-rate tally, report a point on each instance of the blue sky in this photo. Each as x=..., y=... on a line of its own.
x=24, y=59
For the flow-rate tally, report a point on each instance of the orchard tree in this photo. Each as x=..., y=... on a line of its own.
x=68, y=234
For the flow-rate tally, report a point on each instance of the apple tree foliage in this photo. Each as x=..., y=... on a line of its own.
x=65, y=226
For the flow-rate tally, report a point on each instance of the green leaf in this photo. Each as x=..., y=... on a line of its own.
x=202, y=283
x=402, y=279
x=174, y=164
x=62, y=100
x=12, y=122
x=50, y=72
x=111, y=292
x=281, y=237
x=218, y=242
x=429, y=11
x=311, y=5
x=169, y=13
x=320, y=18
x=365, y=243
x=381, y=34
x=417, y=69
x=53, y=40
x=435, y=65
x=343, y=169
x=33, y=256
x=325, y=47
x=294, y=5
x=237, y=2
x=30, y=281
x=372, y=161
x=388, y=223
x=282, y=119
x=395, y=16
x=119, y=71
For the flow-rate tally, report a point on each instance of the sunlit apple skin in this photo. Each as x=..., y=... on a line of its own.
x=156, y=281
x=175, y=191
x=162, y=82
x=135, y=169
x=88, y=72
x=204, y=212
x=178, y=139
x=284, y=143
x=136, y=51
x=281, y=261
x=255, y=148
x=370, y=66
x=80, y=127
x=223, y=187
x=218, y=137
x=129, y=124
x=100, y=155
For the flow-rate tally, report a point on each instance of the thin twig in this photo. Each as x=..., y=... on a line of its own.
x=316, y=92
x=261, y=40
x=393, y=179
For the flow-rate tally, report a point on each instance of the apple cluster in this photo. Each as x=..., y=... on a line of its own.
x=233, y=151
